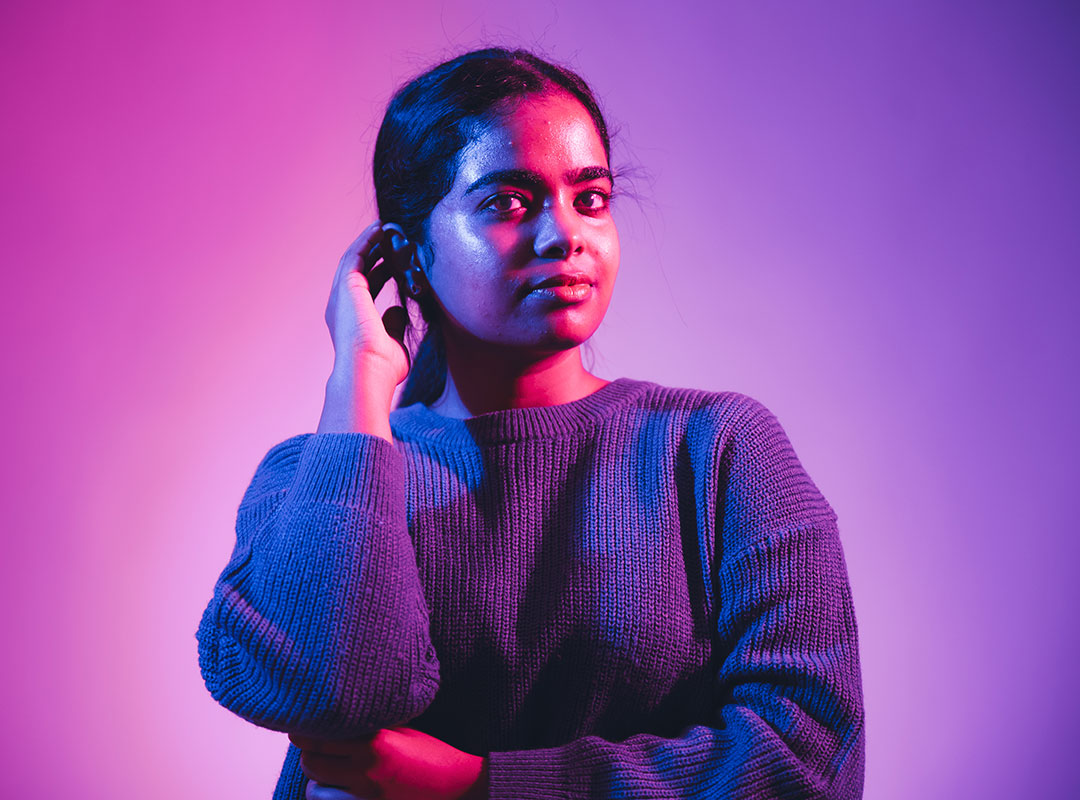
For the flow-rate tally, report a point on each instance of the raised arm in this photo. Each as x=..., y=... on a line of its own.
x=318, y=625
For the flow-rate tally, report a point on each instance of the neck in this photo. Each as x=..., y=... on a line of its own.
x=500, y=378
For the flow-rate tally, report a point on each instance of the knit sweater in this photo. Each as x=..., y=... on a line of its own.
x=638, y=594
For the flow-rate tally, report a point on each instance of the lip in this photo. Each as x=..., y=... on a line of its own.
x=564, y=293
x=569, y=284
x=562, y=279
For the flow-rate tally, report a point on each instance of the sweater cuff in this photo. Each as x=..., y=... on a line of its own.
x=591, y=766
x=351, y=469
x=543, y=774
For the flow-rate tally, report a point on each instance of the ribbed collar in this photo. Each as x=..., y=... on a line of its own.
x=419, y=423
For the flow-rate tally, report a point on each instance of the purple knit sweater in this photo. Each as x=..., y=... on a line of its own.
x=637, y=594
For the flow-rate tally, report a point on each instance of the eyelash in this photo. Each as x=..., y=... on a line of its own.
x=501, y=195
x=606, y=196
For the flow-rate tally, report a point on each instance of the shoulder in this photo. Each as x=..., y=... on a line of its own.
x=725, y=414
x=722, y=432
x=740, y=441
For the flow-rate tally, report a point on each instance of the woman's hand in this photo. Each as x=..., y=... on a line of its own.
x=392, y=764
x=370, y=359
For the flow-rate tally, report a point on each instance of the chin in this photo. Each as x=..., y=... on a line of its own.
x=566, y=337
x=550, y=335
x=573, y=327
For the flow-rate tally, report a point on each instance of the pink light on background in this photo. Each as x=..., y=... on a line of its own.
x=863, y=216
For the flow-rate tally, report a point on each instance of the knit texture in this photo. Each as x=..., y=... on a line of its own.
x=639, y=594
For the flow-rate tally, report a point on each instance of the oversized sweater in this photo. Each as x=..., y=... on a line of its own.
x=638, y=594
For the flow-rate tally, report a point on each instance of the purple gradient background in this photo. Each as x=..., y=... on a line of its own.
x=864, y=215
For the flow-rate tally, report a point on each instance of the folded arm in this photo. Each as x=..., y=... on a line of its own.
x=789, y=722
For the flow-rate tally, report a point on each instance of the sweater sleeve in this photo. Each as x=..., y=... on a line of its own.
x=788, y=718
x=318, y=624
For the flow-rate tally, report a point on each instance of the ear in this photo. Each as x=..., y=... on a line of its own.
x=406, y=254
x=407, y=262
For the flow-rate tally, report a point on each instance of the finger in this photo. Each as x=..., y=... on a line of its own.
x=320, y=791
x=359, y=251
x=353, y=258
x=334, y=770
x=378, y=276
x=365, y=243
x=397, y=249
x=371, y=256
x=330, y=747
x=308, y=742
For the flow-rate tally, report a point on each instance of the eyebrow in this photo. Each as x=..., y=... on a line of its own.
x=524, y=177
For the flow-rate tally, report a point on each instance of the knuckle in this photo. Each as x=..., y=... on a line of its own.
x=356, y=280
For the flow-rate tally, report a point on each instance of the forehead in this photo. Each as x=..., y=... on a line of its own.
x=550, y=134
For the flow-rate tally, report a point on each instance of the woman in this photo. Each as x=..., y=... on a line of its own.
x=526, y=581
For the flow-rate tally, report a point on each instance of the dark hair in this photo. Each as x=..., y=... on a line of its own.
x=427, y=124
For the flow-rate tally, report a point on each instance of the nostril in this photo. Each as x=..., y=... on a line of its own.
x=557, y=251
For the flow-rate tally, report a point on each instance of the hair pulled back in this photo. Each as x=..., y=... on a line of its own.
x=428, y=122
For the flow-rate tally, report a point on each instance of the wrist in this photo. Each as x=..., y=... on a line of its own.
x=369, y=373
x=479, y=788
x=357, y=403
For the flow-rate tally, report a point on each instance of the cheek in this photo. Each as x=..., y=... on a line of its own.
x=504, y=245
x=615, y=251
x=469, y=248
x=608, y=249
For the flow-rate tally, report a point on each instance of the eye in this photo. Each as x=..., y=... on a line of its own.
x=593, y=200
x=506, y=204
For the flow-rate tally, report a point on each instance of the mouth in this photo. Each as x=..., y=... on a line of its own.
x=563, y=279
x=567, y=287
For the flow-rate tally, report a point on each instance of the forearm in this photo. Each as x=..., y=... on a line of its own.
x=744, y=761
x=789, y=718
x=354, y=405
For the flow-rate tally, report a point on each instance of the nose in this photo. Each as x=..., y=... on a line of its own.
x=559, y=232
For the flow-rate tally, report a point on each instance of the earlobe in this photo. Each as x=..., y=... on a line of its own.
x=414, y=282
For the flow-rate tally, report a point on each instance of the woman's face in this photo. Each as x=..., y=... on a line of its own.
x=522, y=251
